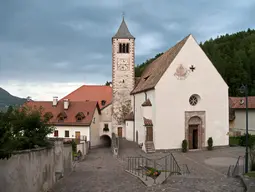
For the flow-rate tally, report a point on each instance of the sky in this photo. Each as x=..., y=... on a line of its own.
x=51, y=47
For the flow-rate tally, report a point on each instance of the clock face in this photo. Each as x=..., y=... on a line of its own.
x=123, y=64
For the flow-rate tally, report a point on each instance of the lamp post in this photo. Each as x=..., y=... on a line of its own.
x=244, y=89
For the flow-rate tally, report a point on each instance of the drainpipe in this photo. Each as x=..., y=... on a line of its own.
x=134, y=120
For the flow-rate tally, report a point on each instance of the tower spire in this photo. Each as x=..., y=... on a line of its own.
x=123, y=32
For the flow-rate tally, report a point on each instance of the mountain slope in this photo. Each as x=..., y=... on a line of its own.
x=6, y=99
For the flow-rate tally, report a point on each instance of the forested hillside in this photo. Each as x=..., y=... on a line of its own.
x=6, y=99
x=233, y=56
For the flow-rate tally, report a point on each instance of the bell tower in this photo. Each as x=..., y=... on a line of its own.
x=123, y=76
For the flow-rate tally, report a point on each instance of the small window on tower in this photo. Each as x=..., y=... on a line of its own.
x=123, y=48
x=120, y=47
x=127, y=48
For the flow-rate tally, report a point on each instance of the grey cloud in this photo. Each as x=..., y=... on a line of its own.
x=70, y=41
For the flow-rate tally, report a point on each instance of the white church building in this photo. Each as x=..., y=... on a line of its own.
x=180, y=95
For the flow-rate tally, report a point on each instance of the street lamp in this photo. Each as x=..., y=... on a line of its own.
x=244, y=89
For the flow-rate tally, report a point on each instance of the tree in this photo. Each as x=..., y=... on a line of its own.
x=108, y=83
x=23, y=128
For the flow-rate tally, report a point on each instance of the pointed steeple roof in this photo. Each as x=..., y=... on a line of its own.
x=123, y=32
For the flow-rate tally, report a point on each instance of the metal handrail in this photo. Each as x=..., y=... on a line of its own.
x=237, y=164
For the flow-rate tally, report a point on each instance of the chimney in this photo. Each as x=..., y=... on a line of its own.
x=66, y=104
x=55, y=101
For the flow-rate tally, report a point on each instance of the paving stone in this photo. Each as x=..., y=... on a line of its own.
x=101, y=172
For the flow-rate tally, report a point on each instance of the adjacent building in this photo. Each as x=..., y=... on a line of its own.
x=237, y=120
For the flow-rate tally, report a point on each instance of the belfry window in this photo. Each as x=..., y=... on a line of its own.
x=123, y=47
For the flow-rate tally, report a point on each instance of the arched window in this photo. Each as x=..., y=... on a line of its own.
x=127, y=48
x=123, y=48
x=120, y=47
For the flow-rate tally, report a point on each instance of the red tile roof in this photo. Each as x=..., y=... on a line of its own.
x=147, y=103
x=97, y=93
x=147, y=122
x=155, y=70
x=130, y=117
x=240, y=102
x=86, y=108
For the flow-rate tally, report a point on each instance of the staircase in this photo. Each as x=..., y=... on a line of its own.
x=149, y=146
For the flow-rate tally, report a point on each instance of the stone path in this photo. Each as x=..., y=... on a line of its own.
x=100, y=172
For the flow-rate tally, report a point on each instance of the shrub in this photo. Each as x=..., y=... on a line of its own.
x=210, y=143
x=184, y=146
x=234, y=140
x=251, y=140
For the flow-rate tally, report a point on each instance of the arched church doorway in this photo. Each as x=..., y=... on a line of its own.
x=194, y=132
x=106, y=141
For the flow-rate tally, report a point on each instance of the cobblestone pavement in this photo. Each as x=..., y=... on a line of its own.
x=101, y=172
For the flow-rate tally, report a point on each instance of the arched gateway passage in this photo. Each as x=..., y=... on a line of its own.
x=105, y=141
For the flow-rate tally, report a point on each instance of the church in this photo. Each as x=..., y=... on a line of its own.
x=180, y=95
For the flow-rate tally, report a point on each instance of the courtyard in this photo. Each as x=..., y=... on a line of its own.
x=101, y=172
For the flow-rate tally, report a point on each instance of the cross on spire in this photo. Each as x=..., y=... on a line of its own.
x=123, y=14
x=192, y=68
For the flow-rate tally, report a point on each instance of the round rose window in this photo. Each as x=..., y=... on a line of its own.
x=193, y=100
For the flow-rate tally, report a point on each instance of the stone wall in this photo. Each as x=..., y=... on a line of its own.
x=35, y=170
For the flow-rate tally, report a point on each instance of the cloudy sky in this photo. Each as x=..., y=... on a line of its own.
x=51, y=47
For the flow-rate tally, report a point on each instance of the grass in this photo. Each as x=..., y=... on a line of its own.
x=250, y=174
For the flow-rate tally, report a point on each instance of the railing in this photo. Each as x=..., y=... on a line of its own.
x=157, y=169
x=234, y=170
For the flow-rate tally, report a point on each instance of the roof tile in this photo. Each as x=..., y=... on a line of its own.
x=240, y=102
x=147, y=103
x=130, y=117
x=147, y=122
x=100, y=93
x=155, y=70
x=87, y=108
x=123, y=31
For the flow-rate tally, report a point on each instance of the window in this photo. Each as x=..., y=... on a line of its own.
x=94, y=120
x=87, y=113
x=103, y=102
x=106, y=128
x=124, y=48
x=61, y=119
x=66, y=133
x=79, y=118
x=56, y=133
x=193, y=100
x=145, y=78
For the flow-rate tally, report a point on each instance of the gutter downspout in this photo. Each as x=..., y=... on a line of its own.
x=134, y=121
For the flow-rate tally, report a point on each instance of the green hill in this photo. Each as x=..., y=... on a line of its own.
x=6, y=99
x=233, y=56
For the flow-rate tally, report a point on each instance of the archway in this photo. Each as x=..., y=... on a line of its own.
x=106, y=141
x=194, y=132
